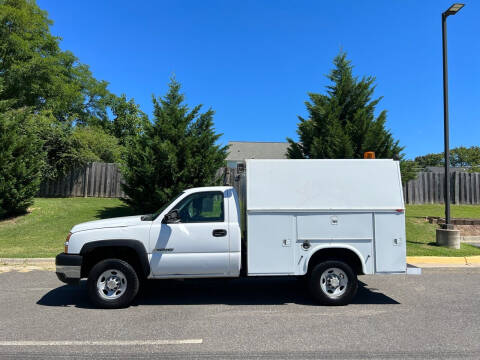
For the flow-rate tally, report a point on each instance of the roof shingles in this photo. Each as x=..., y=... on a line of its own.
x=241, y=150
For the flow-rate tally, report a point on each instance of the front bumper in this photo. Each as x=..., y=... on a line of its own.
x=68, y=267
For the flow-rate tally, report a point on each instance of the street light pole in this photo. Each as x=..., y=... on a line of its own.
x=451, y=11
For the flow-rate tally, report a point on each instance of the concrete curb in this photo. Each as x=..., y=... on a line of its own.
x=28, y=261
x=444, y=261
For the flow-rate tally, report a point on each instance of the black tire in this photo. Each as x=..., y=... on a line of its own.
x=131, y=283
x=326, y=298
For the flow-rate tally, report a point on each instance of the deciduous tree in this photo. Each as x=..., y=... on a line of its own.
x=36, y=73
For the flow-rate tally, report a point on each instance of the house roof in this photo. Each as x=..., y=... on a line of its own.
x=241, y=150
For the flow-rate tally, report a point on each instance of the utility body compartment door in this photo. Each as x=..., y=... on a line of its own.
x=390, y=243
x=271, y=240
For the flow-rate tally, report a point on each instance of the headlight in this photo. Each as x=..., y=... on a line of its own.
x=65, y=250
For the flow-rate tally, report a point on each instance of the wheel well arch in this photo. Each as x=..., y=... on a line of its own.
x=131, y=251
x=345, y=254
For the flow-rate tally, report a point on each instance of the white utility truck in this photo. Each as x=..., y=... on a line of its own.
x=325, y=220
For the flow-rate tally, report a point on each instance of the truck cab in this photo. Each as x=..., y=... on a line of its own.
x=196, y=235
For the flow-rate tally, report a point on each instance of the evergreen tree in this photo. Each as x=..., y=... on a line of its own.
x=342, y=123
x=21, y=161
x=176, y=152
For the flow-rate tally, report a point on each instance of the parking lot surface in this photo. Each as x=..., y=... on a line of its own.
x=434, y=315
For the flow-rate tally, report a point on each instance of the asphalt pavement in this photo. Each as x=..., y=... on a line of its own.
x=430, y=316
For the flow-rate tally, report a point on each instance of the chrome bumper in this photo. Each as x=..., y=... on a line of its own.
x=68, y=274
x=69, y=271
x=68, y=268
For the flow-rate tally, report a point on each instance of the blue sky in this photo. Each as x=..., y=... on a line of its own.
x=253, y=62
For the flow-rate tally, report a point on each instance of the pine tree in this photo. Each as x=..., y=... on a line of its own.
x=21, y=161
x=176, y=152
x=342, y=123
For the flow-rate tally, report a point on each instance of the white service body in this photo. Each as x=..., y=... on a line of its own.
x=352, y=204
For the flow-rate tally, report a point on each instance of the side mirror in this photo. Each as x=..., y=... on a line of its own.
x=171, y=218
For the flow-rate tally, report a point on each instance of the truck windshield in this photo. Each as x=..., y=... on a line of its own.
x=159, y=211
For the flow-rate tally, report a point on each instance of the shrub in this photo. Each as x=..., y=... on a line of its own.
x=21, y=161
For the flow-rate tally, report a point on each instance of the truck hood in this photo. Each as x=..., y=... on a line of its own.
x=108, y=223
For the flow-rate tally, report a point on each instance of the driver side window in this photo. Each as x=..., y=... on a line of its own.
x=202, y=207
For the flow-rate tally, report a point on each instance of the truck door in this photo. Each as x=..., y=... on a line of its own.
x=198, y=244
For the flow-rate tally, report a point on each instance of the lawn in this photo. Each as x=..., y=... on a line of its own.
x=42, y=232
x=421, y=234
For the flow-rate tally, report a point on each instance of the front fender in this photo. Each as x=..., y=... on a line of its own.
x=135, y=245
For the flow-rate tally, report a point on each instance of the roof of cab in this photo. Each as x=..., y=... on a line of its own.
x=208, y=188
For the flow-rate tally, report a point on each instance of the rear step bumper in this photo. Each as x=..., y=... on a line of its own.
x=413, y=270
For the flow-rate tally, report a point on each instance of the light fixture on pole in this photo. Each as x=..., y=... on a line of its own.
x=452, y=10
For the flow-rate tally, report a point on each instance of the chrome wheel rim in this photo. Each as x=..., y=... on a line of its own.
x=334, y=282
x=111, y=284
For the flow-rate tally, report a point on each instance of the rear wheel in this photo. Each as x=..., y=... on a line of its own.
x=333, y=282
x=112, y=284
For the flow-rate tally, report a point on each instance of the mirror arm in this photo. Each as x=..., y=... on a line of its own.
x=168, y=219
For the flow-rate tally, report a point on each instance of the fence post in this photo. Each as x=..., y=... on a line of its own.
x=476, y=188
x=85, y=182
x=456, y=187
x=227, y=177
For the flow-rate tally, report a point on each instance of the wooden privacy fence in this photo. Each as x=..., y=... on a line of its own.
x=429, y=188
x=238, y=180
x=104, y=180
x=94, y=180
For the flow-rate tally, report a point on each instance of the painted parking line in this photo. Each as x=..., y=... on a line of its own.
x=101, y=343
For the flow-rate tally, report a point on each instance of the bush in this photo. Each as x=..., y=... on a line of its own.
x=68, y=147
x=94, y=144
x=21, y=161
x=61, y=154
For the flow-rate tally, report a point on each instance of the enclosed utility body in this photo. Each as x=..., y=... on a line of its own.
x=295, y=208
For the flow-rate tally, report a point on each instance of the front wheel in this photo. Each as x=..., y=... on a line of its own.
x=112, y=284
x=333, y=283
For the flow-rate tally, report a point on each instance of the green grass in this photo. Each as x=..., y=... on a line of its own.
x=421, y=234
x=42, y=232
